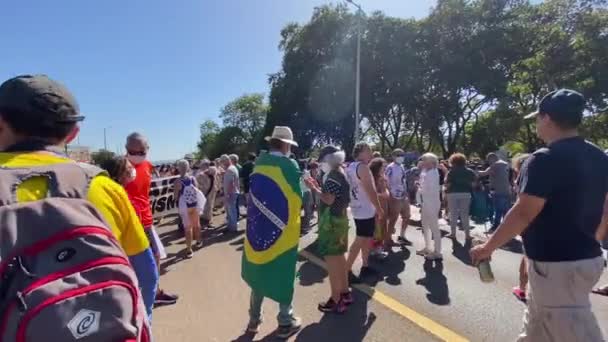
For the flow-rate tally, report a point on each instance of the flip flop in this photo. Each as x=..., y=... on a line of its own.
x=519, y=294
x=601, y=291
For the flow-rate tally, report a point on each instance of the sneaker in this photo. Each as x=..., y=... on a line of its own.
x=423, y=252
x=199, y=244
x=347, y=298
x=253, y=327
x=353, y=279
x=163, y=298
x=189, y=254
x=286, y=331
x=434, y=256
x=520, y=294
x=451, y=235
x=332, y=306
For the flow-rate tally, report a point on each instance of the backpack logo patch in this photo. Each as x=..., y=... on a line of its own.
x=84, y=323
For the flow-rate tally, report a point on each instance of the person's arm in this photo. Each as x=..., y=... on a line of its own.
x=602, y=230
x=536, y=186
x=112, y=202
x=448, y=180
x=484, y=173
x=524, y=211
x=233, y=178
x=328, y=194
x=177, y=187
x=365, y=174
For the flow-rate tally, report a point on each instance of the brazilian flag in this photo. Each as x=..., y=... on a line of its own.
x=273, y=228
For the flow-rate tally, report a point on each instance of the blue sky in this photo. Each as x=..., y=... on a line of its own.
x=159, y=67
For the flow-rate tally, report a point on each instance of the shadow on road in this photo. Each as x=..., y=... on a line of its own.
x=311, y=274
x=349, y=327
x=390, y=268
x=461, y=252
x=435, y=283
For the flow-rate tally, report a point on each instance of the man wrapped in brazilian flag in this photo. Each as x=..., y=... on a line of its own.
x=273, y=232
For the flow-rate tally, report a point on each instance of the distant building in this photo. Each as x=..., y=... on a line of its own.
x=79, y=153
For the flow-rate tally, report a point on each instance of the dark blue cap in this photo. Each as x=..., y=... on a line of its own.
x=563, y=106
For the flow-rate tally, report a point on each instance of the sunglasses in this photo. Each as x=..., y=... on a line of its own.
x=138, y=153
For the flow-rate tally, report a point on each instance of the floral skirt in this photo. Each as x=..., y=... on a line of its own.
x=333, y=234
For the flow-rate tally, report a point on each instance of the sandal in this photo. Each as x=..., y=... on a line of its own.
x=519, y=294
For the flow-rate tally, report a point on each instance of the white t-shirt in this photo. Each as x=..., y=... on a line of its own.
x=397, y=185
x=430, y=189
x=361, y=206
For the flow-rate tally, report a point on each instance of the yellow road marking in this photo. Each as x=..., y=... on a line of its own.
x=420, y=320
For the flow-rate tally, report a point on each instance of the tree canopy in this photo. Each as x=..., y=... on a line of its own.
x=460, y=79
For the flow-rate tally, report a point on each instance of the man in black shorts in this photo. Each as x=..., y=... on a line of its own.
x=364, y=207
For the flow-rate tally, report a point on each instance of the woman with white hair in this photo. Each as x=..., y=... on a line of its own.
x=430, y=206
x=332, y=242
x=188, y=199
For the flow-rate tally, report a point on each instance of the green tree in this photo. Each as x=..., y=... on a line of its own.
x=209, y=131
x=248, y=113
x=101, y=156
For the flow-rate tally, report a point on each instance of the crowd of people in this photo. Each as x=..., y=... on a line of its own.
x=555, y=198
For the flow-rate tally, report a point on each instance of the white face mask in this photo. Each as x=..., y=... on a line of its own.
x=136, y=160
x=325, y=167
x=399, y=160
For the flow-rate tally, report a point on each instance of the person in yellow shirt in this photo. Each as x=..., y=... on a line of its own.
x=38, y=117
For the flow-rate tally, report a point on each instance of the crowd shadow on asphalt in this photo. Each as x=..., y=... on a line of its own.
x=351, y=326
x=391, y=267
x=435, y=283
x=461, y=252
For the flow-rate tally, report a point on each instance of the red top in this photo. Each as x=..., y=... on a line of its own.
x=139, y=192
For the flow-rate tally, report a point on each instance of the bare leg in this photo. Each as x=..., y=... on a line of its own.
x=188, y=233
x=523, y=274
x=335, y=276
x=353, y=253
x=343, y=274
x=366, y=248
x=405, y=216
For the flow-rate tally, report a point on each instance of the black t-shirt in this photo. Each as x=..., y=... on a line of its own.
x=572, y=176
x=337, y=185
x=246, y=172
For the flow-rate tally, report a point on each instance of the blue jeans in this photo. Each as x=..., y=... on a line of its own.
x=501, y=204
x=232, y=211
x=147, y=276
x=285, y=316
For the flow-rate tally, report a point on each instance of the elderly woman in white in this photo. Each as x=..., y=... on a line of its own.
x=430, y=205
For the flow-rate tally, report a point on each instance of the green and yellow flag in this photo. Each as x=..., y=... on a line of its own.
x=273, y=228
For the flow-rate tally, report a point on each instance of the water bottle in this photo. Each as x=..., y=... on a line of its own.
x=484, y=267
x=485, y=271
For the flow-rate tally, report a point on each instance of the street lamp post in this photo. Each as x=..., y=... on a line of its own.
x=358, y=71
x=105, y=138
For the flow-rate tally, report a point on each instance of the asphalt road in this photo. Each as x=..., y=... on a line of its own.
x=413, y=301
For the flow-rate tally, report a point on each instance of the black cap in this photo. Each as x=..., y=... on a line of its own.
x=39, y=98
x=327, y=150
x=562, y=106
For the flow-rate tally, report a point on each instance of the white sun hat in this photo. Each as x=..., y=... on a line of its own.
x=284, y=134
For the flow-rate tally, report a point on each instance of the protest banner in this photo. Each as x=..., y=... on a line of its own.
x=162, y=199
